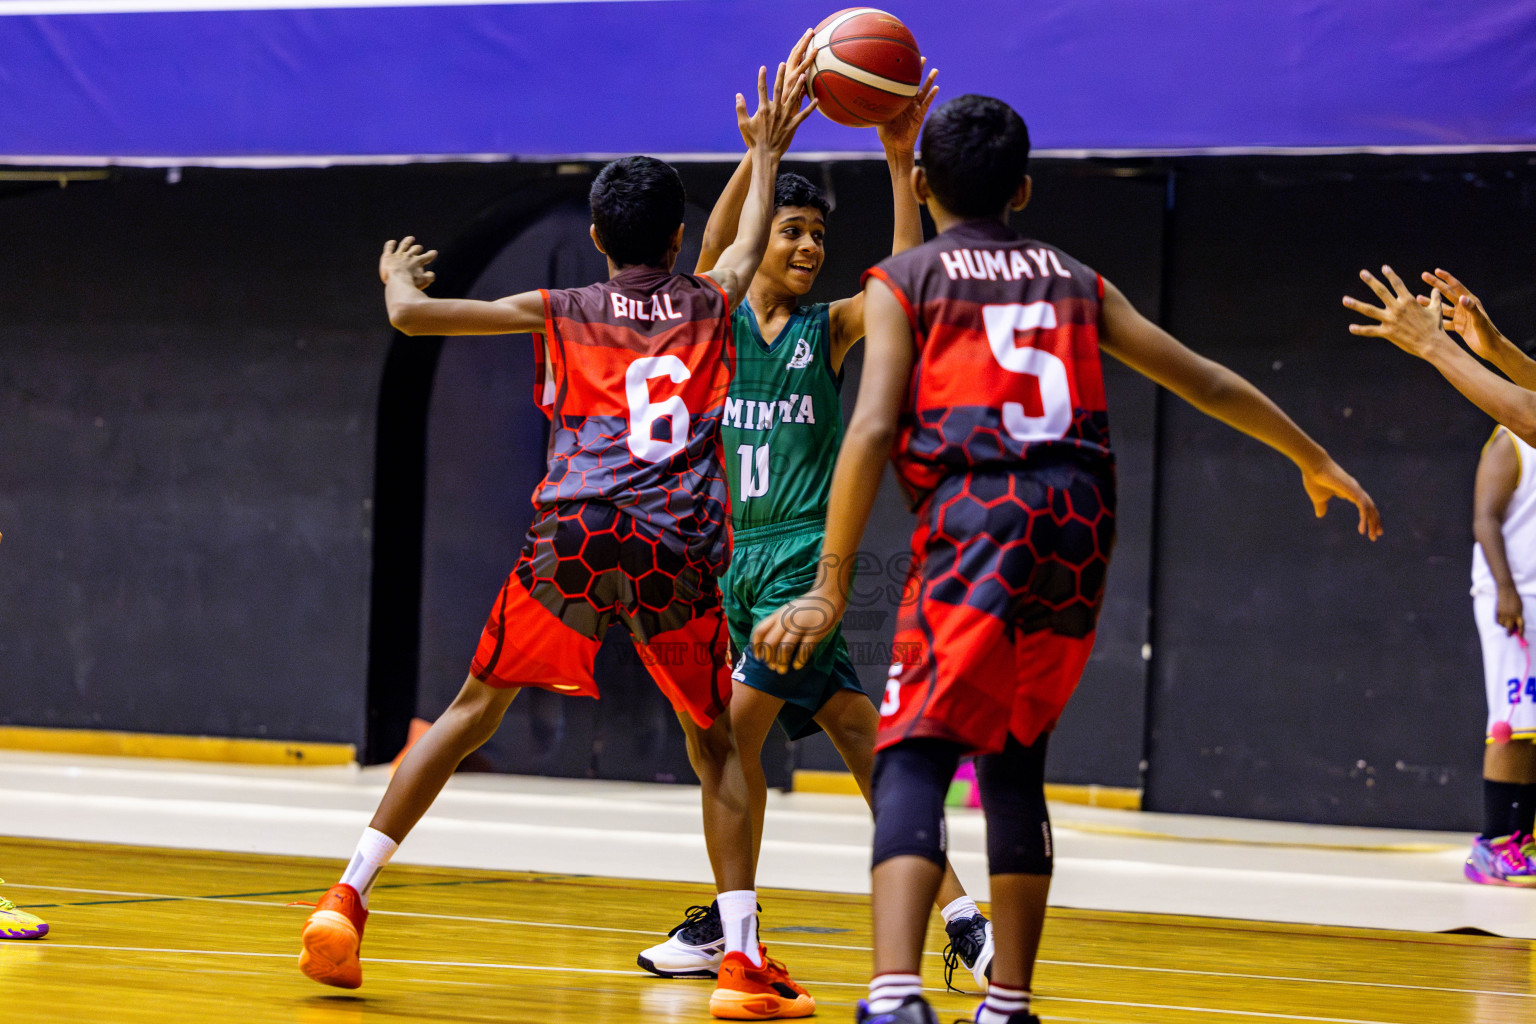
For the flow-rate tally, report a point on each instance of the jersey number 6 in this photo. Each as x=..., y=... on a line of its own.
x=1004, y=324
x=643, y=413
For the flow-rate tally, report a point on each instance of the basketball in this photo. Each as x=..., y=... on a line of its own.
x=867, y=66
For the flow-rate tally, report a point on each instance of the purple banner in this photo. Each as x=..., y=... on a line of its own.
x=537, y=80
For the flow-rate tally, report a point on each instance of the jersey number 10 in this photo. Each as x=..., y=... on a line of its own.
x=1004, y=324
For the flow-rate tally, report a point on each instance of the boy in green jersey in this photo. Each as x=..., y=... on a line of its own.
x=780, y=436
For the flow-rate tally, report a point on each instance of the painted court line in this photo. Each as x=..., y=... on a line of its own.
x=1189, y=972
x=641, y=974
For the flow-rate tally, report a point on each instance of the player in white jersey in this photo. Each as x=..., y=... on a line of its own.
x=1504, y=522
x=1503, y=586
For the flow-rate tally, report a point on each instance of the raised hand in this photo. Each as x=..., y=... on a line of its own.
x=1330, y=481
x=901, y=131
x=1464, y=313
x=779, y=113
x=407, y=258
x=1411, y=327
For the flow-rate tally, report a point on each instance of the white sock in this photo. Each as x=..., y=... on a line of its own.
x=373, y=852
x=1002, y=1003
x=962, y=908
x=886, y=991
x=738, y=916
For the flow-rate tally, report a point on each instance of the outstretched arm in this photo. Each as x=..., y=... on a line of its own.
x=1417, y=330
x=789, y=637
x=403, y=268
x=768, y=133
x=899, y=138
x=1464, y=314
x=1222, y=394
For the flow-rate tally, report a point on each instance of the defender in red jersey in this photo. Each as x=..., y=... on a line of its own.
x=631, y=521
x=982, y=383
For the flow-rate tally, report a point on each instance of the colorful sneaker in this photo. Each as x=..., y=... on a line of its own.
x=18, y=924
x=913, y=1010
x=693, y=949
x=1500, y=862
x=970, y=943
x=332, y=936
x=747, y=992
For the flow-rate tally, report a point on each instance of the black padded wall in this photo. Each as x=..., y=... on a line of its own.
x=193, y=469
x=1299, y=671
x=188, y=376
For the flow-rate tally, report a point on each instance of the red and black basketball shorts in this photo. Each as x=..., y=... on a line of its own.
x=1000, y=606
x=584, y=566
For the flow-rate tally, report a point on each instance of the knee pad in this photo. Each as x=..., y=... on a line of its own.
x=910, y=782
x=1012, y=785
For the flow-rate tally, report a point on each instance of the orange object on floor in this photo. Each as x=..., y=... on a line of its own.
x=418, y=729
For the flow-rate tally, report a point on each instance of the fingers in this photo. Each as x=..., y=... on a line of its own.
x=778, y=82
x=1370, y=516
x=762, y=88
x=1368, y=330
x=1382, y=291
x=1446, y=288
x=1364, y=308
x=798, y=54
x=1398, y=287
x=389, y=247
x=1450, y=279
x=809, y=109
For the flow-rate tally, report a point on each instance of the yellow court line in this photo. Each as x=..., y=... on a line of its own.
x=227, y=749
x=1116, y=797
x=1125, y=831
x=788, y=942
x=1257, y=1014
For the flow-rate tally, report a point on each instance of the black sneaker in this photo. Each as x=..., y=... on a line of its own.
x=913, y=1010
x=693, y=949
x=970, y=943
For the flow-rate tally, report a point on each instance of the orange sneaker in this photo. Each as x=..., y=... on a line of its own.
x=746, y=992
x=332, y=936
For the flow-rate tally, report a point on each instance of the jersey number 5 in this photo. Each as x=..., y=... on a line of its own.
x=643, y=413
x=1004, y=324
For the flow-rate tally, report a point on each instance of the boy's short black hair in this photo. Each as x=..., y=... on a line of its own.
x=792, y=189
x=637, y=204
x=975, y=152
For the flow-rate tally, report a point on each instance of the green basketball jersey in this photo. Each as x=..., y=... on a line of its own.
x=783, y=420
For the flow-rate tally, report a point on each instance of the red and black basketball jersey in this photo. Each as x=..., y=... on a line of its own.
x=1007, y=365
x=639, y=368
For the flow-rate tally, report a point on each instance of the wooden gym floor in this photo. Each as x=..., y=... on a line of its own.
x=156, y=935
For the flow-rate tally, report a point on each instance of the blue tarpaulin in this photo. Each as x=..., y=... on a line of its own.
x=182, y=80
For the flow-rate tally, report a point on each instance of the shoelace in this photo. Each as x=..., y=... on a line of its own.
x=952, y=964
x=694, y=919
x=6, y=906
x=953, y=961
x=1510, y=853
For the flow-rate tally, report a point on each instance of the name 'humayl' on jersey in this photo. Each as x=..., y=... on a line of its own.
x=638, y=369
x=1007, y=367
x=783, y=421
